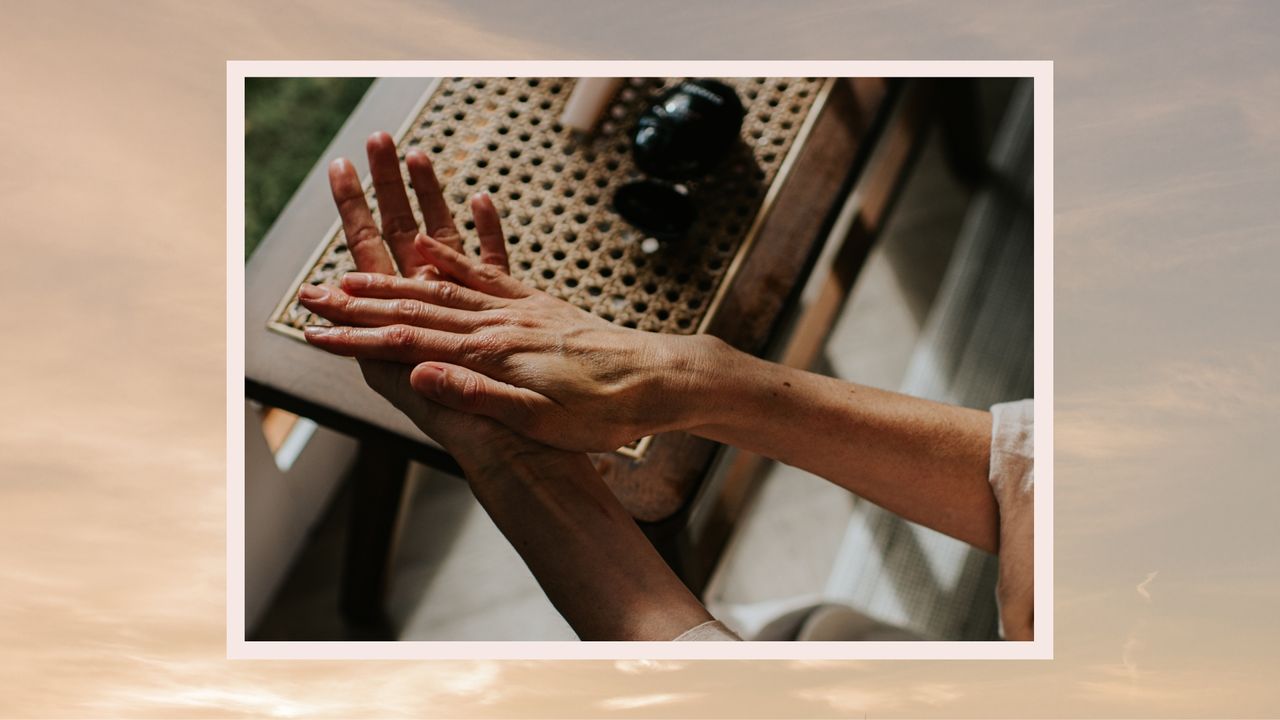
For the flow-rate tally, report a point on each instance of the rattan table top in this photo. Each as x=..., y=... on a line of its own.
x=553, y=189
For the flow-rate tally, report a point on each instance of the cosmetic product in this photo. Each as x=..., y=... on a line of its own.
x=587, y=102
x=684, y=135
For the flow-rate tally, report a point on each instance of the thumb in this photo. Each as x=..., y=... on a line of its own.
x=468, y=391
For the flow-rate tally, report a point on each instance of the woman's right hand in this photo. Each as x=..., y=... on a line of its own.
x=489, y=345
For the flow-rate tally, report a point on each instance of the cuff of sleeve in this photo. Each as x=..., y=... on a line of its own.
x=1013, y=482
x=711, y=630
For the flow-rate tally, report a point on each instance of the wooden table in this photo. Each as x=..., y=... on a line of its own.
x=659, y=485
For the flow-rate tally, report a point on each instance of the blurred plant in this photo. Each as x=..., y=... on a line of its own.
x=287, y=125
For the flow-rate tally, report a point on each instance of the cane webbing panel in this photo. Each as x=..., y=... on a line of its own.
x=553, y=190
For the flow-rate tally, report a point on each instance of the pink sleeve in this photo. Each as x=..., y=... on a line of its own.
x=1013, y=481
x=709, y=630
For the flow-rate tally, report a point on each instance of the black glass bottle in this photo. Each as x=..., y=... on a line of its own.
x=684, y=135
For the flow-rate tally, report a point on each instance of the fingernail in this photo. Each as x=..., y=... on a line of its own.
x=356, y=280
x=338, y=164
x=435, y=378
x=318, y=330
x=313, y=292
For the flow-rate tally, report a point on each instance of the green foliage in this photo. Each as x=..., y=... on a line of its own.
x=287, y=125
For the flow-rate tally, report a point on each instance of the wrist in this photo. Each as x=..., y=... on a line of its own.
x=689, y=379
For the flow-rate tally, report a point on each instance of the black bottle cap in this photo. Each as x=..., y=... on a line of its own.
x=655, y=208
x=688, y=130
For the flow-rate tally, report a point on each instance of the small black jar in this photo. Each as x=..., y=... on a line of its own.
x=684, y=135
x=689, y=130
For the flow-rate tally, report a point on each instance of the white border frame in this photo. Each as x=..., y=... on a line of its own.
x=1041, y=648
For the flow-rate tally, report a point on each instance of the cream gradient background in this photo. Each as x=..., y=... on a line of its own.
x=112, y=436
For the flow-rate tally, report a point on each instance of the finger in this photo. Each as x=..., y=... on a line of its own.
x=340, y=308
x=485, y=278
x=364, y=240
x=398, y=224
x=493, y=246
x=437, y=292
x=468, y=391
x=435, y=211
x=391, y=381
x=397, y=343
x=388, y=379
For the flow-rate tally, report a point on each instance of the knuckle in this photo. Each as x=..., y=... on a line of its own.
x=470, y=390
x=365, y=235
x=501, y=317
x=400, y=336
x=486, y=273
x=375, y=282
x=342, y=302
x=525, y=339
x=516, y=319
x=407, y=308
x=399, y=225
x=484, y=347
x=348, y=195
x=446, y=292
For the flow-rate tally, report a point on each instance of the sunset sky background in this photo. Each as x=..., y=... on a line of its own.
x=112, y=471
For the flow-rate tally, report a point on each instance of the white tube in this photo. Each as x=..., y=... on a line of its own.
x=588, y=100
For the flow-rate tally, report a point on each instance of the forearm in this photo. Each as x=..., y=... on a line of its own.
x=585, y=550
x=925, y=461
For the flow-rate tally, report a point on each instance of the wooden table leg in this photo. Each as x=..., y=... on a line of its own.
x=377, y=487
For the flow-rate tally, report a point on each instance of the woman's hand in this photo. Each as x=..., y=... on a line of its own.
x=365, y=239
x=491, y=346
x=552, y=505
x=479, y=444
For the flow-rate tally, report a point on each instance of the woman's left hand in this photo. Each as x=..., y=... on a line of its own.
x=480, y=445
